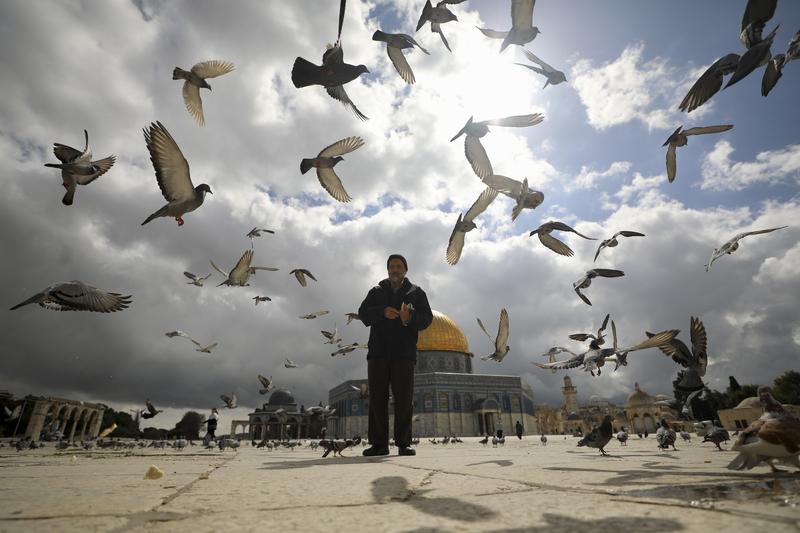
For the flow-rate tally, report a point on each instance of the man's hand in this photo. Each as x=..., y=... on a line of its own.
x=405, y=313
x=391, y=313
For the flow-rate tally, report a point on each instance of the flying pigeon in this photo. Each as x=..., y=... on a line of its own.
x=363, y=391
x=107, y=431
x=301, y=274
x=288, y=363
x=774, y=69
x=680, y=138
x=473, y=131
x=333, y=74
x=344, y=350
x=756, y=15
x=333, y=337
x=176, y=333
x=587, y=278
x=12, y=415
x=554, y=77
x=551, y=242
x=203, y=349
x=230, y=401
x=262, y=299
x=775, y=437
x=694, y=361
x=500, y=342
x=240, y=274
x=395, y=44
x=613, y=242
x=77, y=296
x=315, y=314
x=326, y=160
x=351, y=317
x=437, y=16
x=151, y=410
x=172, y=175
x=256, y=232
x=600, y=436
x=77, y=168
x=196, y=280
x=465, y=224
x=518, y=191
x=522, y=29
x=552, y=353
x=709, y=83
x=733, y=244
x=266, y=383
x=195, y=79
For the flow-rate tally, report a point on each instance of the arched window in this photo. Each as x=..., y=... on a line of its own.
x=444, y=403
x=468, y=402
x=456, y=402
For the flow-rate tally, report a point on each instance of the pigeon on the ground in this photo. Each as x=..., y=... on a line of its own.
x=333, y=74
x=613, y=242
x=733, y=244
x=522, y=29
x=346, y=349
x=775, y=437
x=554, y=77
x=172, y=175
x=622, y=437
x=587, y=278
x=262, y=299
x=315, y=314
x=240, y=274
x=437, y=16
x=77, y=168
x=326, y=160
x=543, y=438
x=195, y=79
x=544, y=231
x=196, y=280
x=256, y=232
x=301, y=274
x=151, y=411
x=717, y=435
x=518, y=191
x=600, y=436
x=230, y=401
x=686, y=436
x=266, y=384
x=77, y=296
x=680, y=138
x=465, y=224
x=774, y=69
x=351, y=317
x=288, y=363
x=666, y=436
x=395, y=44
x=473, y=131
x=500, y=342
x=176, y=333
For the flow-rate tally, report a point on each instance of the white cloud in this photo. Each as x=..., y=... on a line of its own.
x=587, y=177
x=720, y=172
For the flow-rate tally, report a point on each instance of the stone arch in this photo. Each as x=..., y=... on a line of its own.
x=649, y=423
x=95, y=419
x=638, y=425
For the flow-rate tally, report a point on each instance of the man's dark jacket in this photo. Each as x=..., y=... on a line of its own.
x=390, y=339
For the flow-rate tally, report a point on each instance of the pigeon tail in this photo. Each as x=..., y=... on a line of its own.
x=179, y=74
x=426, y=14
x=379, y=36
x=744, y=462
x=303, y=72
x=70, y=195
x=305, y=165
x=54, y=165
x=160, y=213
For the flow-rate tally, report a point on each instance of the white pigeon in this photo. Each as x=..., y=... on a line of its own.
x=315, y=314
x=240, y=274
x=500, y=342
x=77, y=296
x=196, y=280
x=733, y=244
x=465, y=224
x=518, y=191
x=77, y=168
x=288, y=363
x=176, y=333
x=195, y=80
x=204, y=349
x=266, y=383
x=333, y=337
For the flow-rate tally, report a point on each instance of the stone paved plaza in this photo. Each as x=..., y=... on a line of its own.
x=522, y=486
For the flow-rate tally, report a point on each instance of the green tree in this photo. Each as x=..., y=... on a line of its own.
x=189, y=426
x=786, y=388
x=151, y=433
x=126, y=425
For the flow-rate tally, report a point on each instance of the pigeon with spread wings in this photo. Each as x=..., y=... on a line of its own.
x=774, y=69
x=301, y=274
x=587, y=278
x=733, y=244
x=465, y=224
x=680, y=137
x=77, y=296
x=240, y=274
x=195, y=79
x=551, y=242
x=437, y=16
x=77, y=168
x=395, y=44
x=500, y=342
x=613, y=242
x=553, y=76
x=195, y=279
x=522, y=29
x=518, y=191
x=326, y=160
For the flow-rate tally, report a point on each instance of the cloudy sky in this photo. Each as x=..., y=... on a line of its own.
x=597, y=157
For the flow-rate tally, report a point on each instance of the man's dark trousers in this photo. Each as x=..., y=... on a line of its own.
x=399, y=373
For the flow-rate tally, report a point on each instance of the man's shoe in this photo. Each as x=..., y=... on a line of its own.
x=372, y=451
x=406, y=450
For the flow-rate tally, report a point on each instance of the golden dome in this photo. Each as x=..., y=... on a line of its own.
x=443, y=335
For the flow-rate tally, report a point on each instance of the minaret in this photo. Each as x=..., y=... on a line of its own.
x=570, y=396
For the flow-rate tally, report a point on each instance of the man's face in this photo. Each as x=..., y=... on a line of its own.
x=397, y=271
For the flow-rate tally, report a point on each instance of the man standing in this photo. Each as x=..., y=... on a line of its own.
x=519, y=429
x=211, y=427
x=396, y=311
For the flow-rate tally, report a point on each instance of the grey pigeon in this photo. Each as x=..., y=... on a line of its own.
x=551, y=242
x=151, y=411
x=709, y=83
x=465, y=224
x=288, y=363
x=315, y=314
x=600, y=436
x=176, y=333
x=554, y=77
x=500, y=342
x=522, y=29
x=395, y=44
x=518, y=191
x=77, y=296
x=680, y=137
x=333, y=74
x=774, y=69
x=334, y=337
x=733, y=244
x=240, y=274
x=256, y=232
x=77, y=168
x=346, y=349
x=587, y=278
x=666, y=436
x=195, y=79
x=195, y=280
x=437, y=16
x=613, y=242
x=717, y=435
x=473, y=131
x=262, y=299
x=326, y=160
x=301, y=274
x=351, y=317
x=172, y=175
x=756, y=15
x=230, y=401
x=693, y=361
x=204, y=349
x=266, y=383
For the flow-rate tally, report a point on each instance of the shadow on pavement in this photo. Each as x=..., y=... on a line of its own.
x=390, y=489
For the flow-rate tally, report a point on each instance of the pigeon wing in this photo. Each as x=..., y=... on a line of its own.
x=533, y=58
x=484, y=329
x=757, y=232
x=672, y=164
x=213, y=68
x=193, y=102
x=572, y=362
x=582, y=296
x=218, y=269
x=66, y=154
x=344, y=146
x=626, y=233
x=401, y=64
x=699, y=343
x=480, y=205
x=675, y=349
x=242, y=267
x=655, y=341
x=757, y=13
x=599, y=249
x=172, y=170
x=332, y=184
x=77, y=296
x=436, y=28
x=556, y=245
x=456, y=243
x=702, y=130
x=605, y=273
x=301, y=277
x=337, y=92
x=476, y=155
x=493, y=34
x=150, y=407
x=522, y=14
x=501, y=341
x=517, y=121
x=100, y=167
x=709, y=83
x=508, y=186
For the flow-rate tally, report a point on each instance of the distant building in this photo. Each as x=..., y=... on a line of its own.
x=43, y=416
x=449, y=399
x=280, y=418
x=748, y=411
